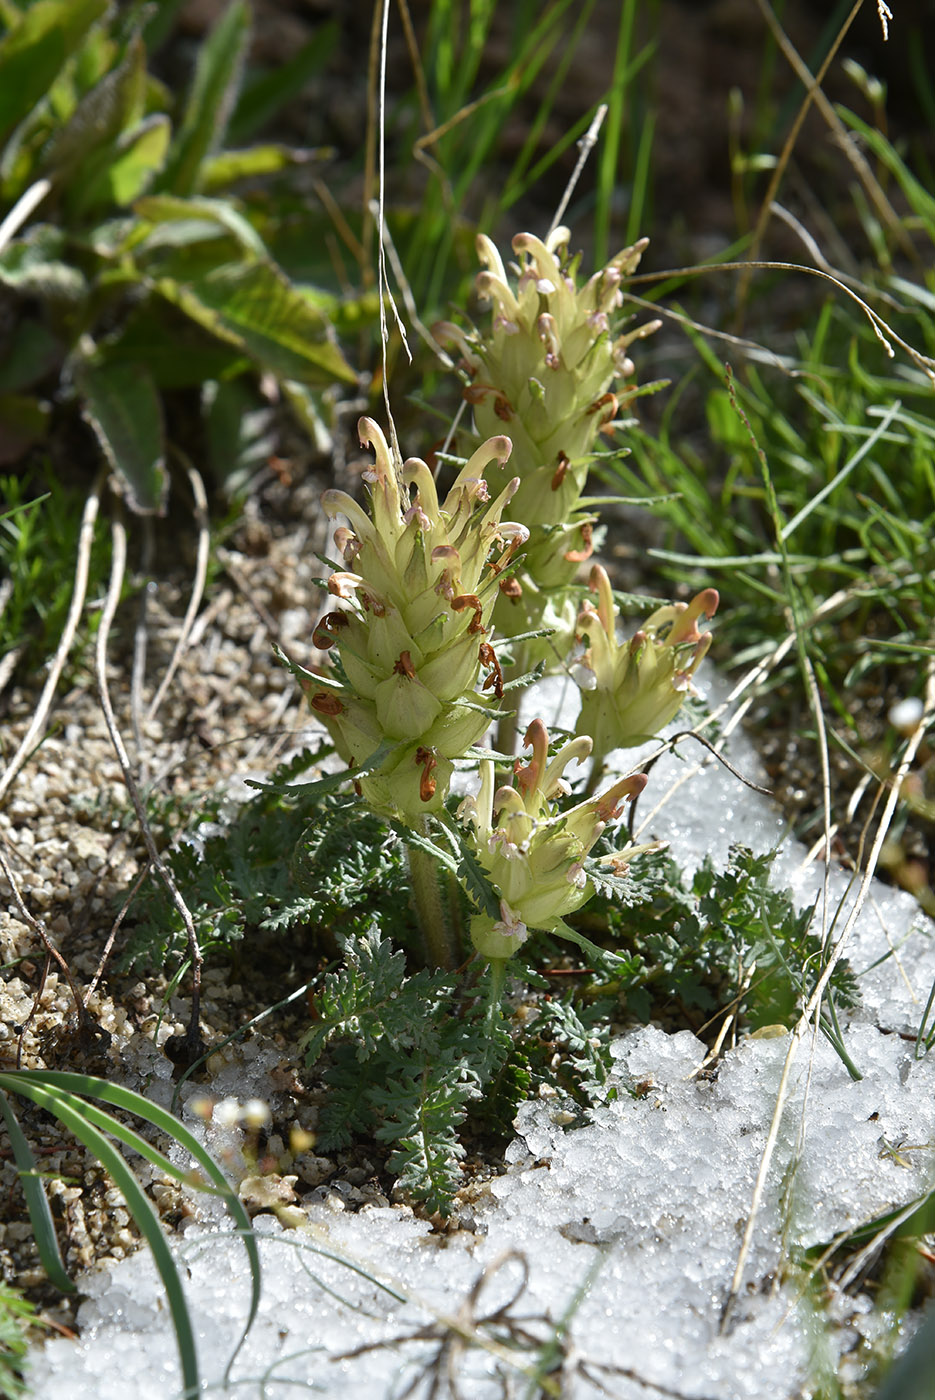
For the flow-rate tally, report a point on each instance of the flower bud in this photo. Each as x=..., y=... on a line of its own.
x=532, y=851
x=633, y=690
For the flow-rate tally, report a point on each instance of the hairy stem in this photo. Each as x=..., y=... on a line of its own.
x=430, y=900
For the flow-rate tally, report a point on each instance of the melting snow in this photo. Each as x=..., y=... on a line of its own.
x=624, y=1234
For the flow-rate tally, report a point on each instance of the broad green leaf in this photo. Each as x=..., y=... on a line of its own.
x=33, y=53
x=238, y=430
x=36, y=1201
x=162, y=15
x=169, y=208
x=122, y=405
x=23, y=421
x=34, y=266
x=33, y=352
x=112, y=104
x=176, y=352
x=255, y=306
x=225, y=169
x=214, y=92
x=129, y=164
x=267, y=94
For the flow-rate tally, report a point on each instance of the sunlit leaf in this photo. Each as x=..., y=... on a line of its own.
x=211, y=101
x=32, y=54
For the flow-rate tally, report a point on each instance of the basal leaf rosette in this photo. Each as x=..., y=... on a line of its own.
x=412, y=635
x=543, y=372
x=532, y=852
x=632, y=690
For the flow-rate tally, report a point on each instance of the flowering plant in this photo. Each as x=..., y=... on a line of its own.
x=411, y=679
x=419, y=589
x=533, y=851
x=630, y=691
x=543, y=372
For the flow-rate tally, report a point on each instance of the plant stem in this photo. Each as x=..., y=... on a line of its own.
x=428, y=896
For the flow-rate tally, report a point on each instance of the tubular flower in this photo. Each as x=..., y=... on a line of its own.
x=412, y=639
x=533, y=852
x=543, y=374
x=637, y=687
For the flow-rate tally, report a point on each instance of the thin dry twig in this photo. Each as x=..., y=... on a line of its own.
x=118, y=566
x=114, y=928
x=22, y=210
x=39, y=929
x=198, y=587
x=140, y=647
x=813, y=94
x=79, y=589
x=585, y=147
x=882, y=329
x=814, y=1002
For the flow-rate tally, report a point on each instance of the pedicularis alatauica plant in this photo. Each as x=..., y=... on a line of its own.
x=427, y=587
x=543, y=372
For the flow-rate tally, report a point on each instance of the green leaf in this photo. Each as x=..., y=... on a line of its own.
x=34, y=266
x=57, y=1090
x=122, y=405
x=910, y=1376
x=255, y=307
x=239, y=432
x=211, y=101
x=33, y=353
x=177, y=353
x=32, y=54
x=24, y=420
x=144, y=1214
x=161, y=17
x=128, y=165
x=36, y=1201
x=112, y=104
x=268, y=93
x=168, y=208
x=225, y=169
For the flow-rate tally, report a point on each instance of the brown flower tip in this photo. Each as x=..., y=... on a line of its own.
x=324, y=703
x=470, y=600
x=512, y=588
x=476, y=393
x=488, y=657
x=325, y=634
x=560, y=471
x=606, y=406
x=427, y=782
x=578, y=556
x=404, y=666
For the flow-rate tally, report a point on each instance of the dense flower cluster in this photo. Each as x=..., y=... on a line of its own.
x=543, y=373
x=418, y=591
x=533, y=853
x=632, y=690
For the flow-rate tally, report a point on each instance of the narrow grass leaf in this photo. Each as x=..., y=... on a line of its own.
x=143, y=1213
x=211, y=101
x=36, y=1202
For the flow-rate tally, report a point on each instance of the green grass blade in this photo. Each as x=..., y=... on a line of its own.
x=54, y=1088
x=36, y=1201
x=144, y=1214
x=211, y=101
x=910, y=1377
